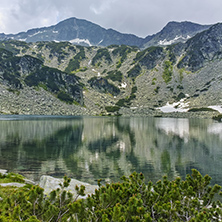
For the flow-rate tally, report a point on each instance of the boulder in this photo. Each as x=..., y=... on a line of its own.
x=12, y=184
x=3, y=172
x=49, y=184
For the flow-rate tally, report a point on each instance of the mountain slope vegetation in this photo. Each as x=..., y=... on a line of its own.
x=131, y=80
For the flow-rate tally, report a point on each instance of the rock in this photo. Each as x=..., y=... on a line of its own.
x=3, y=172
x=49, y=184
x=12, y=184
x=29, y=182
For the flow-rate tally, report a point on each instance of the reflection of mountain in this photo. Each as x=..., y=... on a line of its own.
x=32, y=143
x=90, y=148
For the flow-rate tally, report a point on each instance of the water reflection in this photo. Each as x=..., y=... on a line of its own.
x=90, y=148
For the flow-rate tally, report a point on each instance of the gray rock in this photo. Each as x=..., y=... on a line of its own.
x=49, y=184
x=29, y=182
x=12, y=184
x=3, y=172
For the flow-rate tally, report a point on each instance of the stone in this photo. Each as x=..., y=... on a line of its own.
x=3, y=172
x=12, y=184
x=49, y=184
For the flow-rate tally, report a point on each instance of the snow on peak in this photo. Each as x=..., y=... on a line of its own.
x=78, y=41
x=180, y=37
x=36, y=33
x=100, y=42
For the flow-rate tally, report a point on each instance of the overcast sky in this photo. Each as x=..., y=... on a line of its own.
x=139, y=17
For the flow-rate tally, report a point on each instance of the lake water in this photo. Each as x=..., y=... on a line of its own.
x=90, y=148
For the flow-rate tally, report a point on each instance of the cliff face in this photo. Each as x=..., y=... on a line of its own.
x=87, y=80
x=27, y=71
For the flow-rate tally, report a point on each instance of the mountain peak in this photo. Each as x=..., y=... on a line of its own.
x=83, y=32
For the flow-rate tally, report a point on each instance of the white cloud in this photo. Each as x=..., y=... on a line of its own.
x=102, y=7
x=140, y=17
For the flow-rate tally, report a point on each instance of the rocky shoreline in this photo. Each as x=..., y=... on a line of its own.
x=37, y=102
x=49, y=184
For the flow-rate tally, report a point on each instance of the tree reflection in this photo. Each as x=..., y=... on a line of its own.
x=90, y=148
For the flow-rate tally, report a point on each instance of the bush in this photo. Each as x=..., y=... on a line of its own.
x=74, y=63
x=65, y=97
x=218, y=117
x=102, y=53
x=202, y=109
x=126, y=102
x=112, y=109
x=168, y=71
x=115, y=75
x=135, y=71
x=191, y=199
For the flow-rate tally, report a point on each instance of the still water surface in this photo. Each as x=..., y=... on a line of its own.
x=90, y=148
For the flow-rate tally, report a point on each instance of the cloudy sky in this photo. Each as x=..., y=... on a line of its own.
x=139, y=17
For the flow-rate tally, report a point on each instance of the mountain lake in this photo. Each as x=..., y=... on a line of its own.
x=92, y=148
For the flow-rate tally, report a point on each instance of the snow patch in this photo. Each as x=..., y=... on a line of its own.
x=100, y=42
x=55, y=31
x=39, y=32
x=165, y=42
x=78, y=41
x=180, y=106
x=217, y=108
x=98, y=73
x=123, y=85
x=23, y=40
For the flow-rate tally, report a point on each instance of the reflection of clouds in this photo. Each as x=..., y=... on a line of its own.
x=122, y=145
x=178, y=127
x=215, y=128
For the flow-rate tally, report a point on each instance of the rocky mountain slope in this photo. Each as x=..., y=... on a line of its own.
x=117, y=79
x=82, y=32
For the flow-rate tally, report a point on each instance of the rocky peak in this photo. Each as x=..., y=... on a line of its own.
x=175, y=32
x=202, y=48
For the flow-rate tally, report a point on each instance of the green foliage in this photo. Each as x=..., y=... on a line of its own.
x=122, y=51
x=171, y=55
x=74, y=63
x=168, y=71
x=13, y=45
x=30, y=204
x=65, y=97
x=102, y=53
x=154, y=81
x=218, y=118
x=135, y=71
x=102, y=85
x=112, y=109
x=156, y=90
x=150, y=57
x=11, y=177
x=115, y=75
x=202, y=109
x=55, y=47
x=126, y=102
x=131, y=200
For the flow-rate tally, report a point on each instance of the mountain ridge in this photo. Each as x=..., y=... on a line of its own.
x=67, y=79
x=86, y=33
